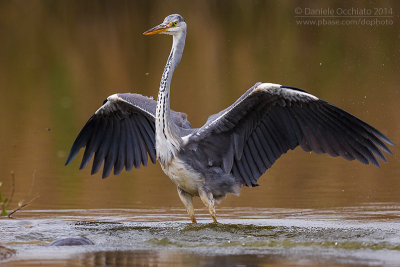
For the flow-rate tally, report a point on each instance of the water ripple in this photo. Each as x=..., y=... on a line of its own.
x=368, y=235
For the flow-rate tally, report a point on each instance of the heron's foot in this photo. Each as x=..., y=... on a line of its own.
x=208, y=200
x=190, y=211
x=187, y=200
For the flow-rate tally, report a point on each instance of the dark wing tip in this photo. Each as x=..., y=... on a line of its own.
x=82, y=139
x=388, y=141
x=71, y=156
x=105, y=174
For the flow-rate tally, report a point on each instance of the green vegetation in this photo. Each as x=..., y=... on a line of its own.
x=3, y=204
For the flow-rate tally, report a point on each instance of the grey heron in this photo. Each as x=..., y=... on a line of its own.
x=233, y=148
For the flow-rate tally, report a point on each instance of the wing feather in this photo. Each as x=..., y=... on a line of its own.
x=148, y=137
x=324, y=135
x=130, y=147
x=93, y=143
x=269, y=119
x=331, y=133
x=261, y=151
x=251, y=163
x=111, y=156
x=137, y=144
x=82, y=139
x=121, y=134
x=359, y=127
x=227, y=160
x=121, y=158
x=256, y=156
x=100, y=154
x=142, y=145
x=360, y=142
x=265, y=145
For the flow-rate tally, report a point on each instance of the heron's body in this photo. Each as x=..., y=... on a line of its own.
x=183, y=175
x=233, y=148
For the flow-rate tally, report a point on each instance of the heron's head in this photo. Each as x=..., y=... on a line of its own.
x=172, y=25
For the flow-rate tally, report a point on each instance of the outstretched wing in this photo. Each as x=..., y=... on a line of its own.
x=121, y=133
x=269, y=119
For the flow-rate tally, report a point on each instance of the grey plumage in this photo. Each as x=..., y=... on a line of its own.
x=243, y=140
x=128, y=145
x=233, y=148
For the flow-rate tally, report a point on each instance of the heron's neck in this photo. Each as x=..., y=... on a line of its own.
x=167, y=138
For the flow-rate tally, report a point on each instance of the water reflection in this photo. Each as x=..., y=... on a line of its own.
x=173, y=258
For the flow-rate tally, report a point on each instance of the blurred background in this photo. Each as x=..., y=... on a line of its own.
x=60, y=59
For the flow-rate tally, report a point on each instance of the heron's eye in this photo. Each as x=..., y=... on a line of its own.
x=174, y=23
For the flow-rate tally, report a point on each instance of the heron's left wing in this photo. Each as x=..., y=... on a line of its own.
x=246, y=138
x=121, y=133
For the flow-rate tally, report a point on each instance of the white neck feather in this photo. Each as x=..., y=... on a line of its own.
x=167, y=138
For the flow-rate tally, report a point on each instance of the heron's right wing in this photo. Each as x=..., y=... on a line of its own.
x=121, y=133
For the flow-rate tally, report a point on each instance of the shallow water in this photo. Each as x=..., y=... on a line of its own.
x=366, y=235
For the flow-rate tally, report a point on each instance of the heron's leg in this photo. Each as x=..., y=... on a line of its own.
x=208, y=201
x=187, y=200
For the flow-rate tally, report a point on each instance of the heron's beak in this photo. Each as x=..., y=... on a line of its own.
x=158, y=29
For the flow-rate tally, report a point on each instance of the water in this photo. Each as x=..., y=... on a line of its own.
x=59, y=63
x=366, y=235
x=60, y=60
